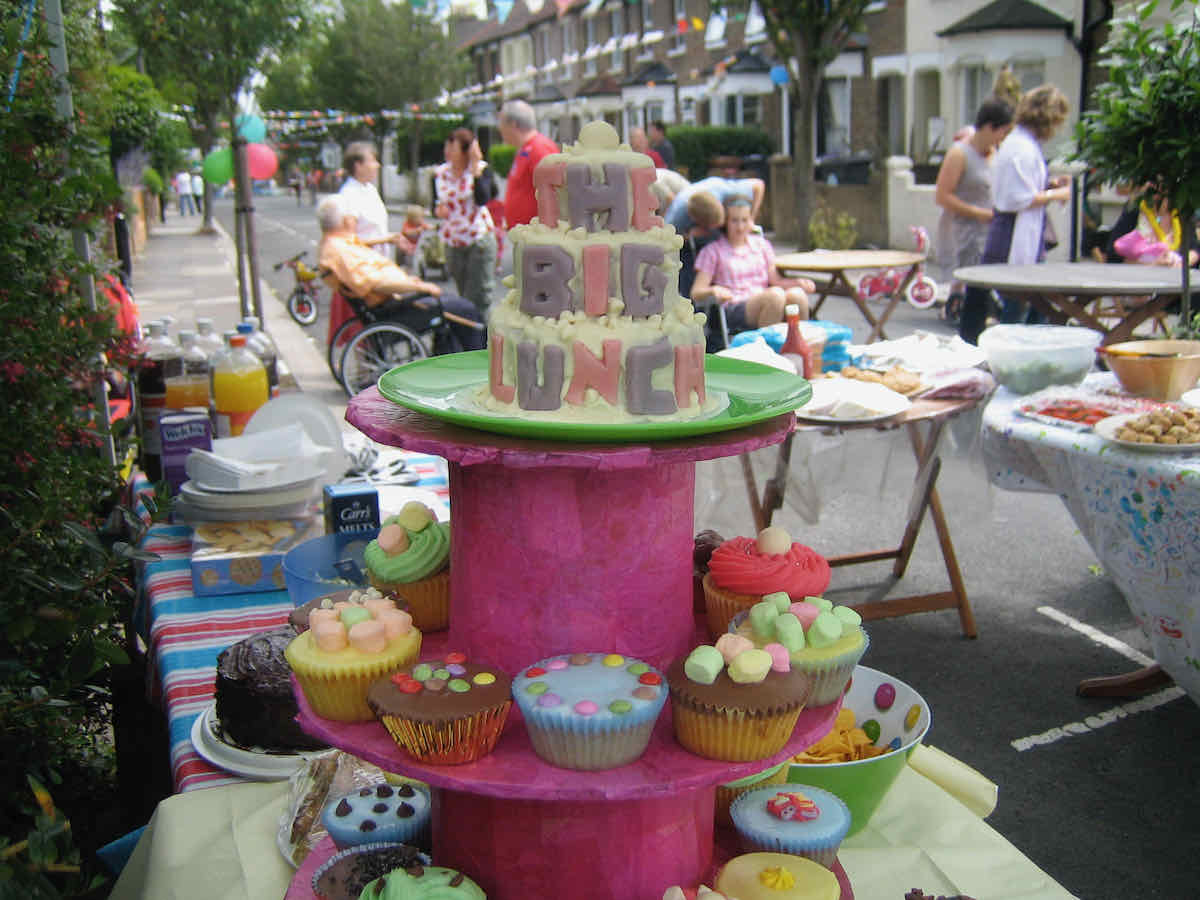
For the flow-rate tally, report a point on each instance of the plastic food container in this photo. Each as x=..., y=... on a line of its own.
x=326, y=564
x=1027, y=358
x=901, y=716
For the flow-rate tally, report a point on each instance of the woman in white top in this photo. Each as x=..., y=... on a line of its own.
x=1020, y=192
x=360, y=198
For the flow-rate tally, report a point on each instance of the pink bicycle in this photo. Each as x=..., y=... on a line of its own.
x=921, y=291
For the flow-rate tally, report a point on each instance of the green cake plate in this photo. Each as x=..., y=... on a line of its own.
x=442, y=387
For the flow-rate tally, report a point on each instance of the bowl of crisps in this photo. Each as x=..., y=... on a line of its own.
x=881, y=722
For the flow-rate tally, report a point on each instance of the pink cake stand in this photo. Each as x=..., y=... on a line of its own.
x=560, y=547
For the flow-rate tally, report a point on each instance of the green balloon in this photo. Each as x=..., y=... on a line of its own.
x=218, y=166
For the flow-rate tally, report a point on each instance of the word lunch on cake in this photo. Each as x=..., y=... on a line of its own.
x=593, y=324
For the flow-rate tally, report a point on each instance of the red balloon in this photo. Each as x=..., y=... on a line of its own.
x=261, y=161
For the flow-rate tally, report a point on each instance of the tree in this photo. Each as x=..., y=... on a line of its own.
x=811, y=34
x=1135, y=131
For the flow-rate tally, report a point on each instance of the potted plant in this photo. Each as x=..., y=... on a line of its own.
x=1137, y=129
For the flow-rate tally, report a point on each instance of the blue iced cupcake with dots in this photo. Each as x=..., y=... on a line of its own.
x=590, y=711
x=792, y=818
x=379, y=812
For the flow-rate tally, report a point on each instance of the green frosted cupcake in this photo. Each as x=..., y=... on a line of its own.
x=410, y=559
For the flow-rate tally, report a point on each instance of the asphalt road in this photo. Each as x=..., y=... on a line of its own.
x=1106, y=811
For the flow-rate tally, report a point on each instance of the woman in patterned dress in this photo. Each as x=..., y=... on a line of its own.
x=464, y=185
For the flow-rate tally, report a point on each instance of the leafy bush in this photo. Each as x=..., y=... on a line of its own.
x=695, y=146
x=830, y=230
x=501, y=157
x=152, y=181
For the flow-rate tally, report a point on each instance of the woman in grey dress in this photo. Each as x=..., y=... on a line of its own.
x=964, y=192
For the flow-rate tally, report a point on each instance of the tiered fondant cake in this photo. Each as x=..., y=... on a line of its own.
x=593, y=328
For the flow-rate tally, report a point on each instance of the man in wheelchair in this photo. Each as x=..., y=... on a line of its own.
x=378, y=281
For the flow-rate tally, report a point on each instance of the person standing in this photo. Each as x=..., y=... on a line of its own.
x=183, y=192
x=641, y=144
x=464, y=185
x=964, y=192
x=518, y=127
x=360, y=198
x=198, y=191
x=1020, y=193
x=658, y=140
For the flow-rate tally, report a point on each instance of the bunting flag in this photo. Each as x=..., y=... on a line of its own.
x=534, y=6
x=503, y=8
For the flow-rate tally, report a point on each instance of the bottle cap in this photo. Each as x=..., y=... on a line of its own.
x=252, y=321
x=791, y=310
x=238, y=340
x=245, y=328
x=187, y=336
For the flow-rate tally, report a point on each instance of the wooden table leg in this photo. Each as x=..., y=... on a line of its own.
x=893, y=302
x=1131, y=684
x=772, y=496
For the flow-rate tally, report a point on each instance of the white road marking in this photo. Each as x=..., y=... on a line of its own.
x=1108, y=716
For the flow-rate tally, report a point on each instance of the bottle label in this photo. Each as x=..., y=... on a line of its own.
x=231, y=424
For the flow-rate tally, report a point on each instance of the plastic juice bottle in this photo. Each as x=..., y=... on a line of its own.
x=159, y=360
x=239, y=387
x=191, y=386
x=207, y=338
x=264, y=348
x=795, y=349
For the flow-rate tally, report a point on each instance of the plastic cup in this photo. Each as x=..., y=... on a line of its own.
x=319, y=566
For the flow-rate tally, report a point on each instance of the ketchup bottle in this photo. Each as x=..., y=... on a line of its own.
x=795, y=349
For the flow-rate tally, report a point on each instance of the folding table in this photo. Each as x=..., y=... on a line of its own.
x=924, y=421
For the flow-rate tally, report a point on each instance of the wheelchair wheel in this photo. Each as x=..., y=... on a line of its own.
x=302, y=306
x=375, y=350
x=337, y=346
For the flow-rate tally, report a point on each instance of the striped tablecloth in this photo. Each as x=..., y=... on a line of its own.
x=185, y=633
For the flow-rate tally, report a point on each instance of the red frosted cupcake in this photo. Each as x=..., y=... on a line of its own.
x=743, y=570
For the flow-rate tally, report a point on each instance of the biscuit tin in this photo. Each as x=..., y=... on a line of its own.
x=245, y=557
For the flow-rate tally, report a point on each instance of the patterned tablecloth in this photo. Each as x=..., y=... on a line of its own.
x=1139, y=511
x=185, y=633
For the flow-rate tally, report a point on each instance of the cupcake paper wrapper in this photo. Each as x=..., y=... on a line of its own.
x=812, y=840
x=428, y=599
x=727, y=795
x=832, y=674
x=590, y=750
x=732, y=735
x=449, y=743
x=721, y=606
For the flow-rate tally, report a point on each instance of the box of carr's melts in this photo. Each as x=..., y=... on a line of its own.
x=351, y=507
x=245, y=557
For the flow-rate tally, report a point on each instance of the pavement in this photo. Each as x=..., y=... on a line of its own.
x=1106, y=812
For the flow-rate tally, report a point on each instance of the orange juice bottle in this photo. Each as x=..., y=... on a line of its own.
x=191, y=387
x=239, y=387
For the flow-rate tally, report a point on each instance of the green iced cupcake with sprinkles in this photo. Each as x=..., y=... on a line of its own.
x=410, y=559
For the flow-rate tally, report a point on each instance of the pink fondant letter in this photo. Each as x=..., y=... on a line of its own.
x=689, y=374
x=591, y=372
x=595, y=279
x=545, y=179
x=501, y=391
x=645, y=204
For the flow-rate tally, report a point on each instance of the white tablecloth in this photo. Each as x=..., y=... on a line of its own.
x=1139, y=511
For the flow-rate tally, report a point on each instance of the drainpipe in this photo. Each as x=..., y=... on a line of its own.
x=1085, y=45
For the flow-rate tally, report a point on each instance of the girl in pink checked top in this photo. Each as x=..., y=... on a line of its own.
x=464, y=185
x=739, y=271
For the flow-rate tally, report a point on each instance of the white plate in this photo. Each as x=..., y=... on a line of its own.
x=257, y=764
x=1108, y=428
x=848, y=401
x=1192, y=397
x=317, y=421
x=245, y=500
x=260, y=492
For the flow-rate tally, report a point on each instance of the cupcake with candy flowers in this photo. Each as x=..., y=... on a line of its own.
x=346, y=647
x=735, y=702
x=800, y=820
x=743, y=570
x=410, y=558
x=822, y=639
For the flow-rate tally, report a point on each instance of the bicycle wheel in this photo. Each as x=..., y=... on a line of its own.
x=303, y=306
x=337, y=346
x=375, y=350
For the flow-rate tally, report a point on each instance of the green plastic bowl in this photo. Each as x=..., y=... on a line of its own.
x=862, y=784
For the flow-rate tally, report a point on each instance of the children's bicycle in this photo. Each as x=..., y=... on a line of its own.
x=921, y=291
x=302, y=301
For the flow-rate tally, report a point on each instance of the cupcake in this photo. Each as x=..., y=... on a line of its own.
x=742, y=570
x=344, y=875
x=376, y=813
x=434, y=882
x=298, y=617
x=777, y=876
x=804, y=821
x=346, y=647
x=735, y=702
x=409, y=558
x=446, y=712
x=703, y=546
x=590, y=710
x=727, y=793
x=822, y=639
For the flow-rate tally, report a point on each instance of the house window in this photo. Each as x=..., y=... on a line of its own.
x=568, y=42
x=1030, y=74
x=546, y=56
x=616, y=21
x=751, y=110
x=688, y=115
x=678, y=14
x=756, y=25
x=589, y=32
x=654, y=111
x=714, y=34
x=833, y=136
x=976, y=85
